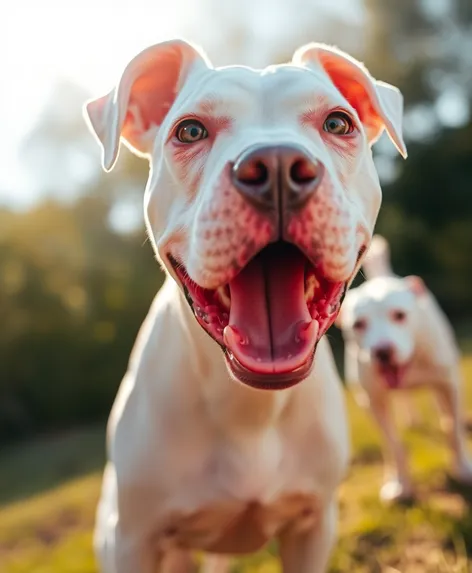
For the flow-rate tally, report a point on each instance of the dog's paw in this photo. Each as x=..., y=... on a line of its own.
x=394, y=491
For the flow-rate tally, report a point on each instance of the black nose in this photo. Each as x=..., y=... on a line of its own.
x=384, y=354
x=277, y=176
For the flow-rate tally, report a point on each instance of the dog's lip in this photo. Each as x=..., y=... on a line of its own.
x=259, y=381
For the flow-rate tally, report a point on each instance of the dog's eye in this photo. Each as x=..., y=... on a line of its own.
x=398, y=315
x=360, y=324
x=190, y=131
x=338, y=123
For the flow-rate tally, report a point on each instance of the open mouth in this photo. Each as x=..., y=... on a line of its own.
x=392, y=374
x=270, y=317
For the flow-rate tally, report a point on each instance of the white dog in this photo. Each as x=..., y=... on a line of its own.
x=262, y=197
x=397, y=338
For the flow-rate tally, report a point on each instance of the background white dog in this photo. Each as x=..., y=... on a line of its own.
x=397, y=338
x=261, y=200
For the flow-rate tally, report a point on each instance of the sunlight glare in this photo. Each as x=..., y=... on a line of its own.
x=87, y=42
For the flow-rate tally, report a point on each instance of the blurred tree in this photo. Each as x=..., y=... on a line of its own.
x=426, y=49
x=73, y=291
x=73, y=294
x=63, y=159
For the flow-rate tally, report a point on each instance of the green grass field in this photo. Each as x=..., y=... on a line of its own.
x=49, y=490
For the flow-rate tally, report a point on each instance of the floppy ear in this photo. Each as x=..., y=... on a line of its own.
x=378, y=104
x=416, y=285
x=138, y=105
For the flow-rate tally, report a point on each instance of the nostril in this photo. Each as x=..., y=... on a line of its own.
x=383, y=355
x=303, y=172
x=253, y=173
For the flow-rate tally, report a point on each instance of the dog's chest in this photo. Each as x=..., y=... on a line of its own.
x=243, y=495
x=234, y=526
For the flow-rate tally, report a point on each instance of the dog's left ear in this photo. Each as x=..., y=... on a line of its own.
x=378, y=104
x=416, y=285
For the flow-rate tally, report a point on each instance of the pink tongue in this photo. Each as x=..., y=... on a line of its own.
x=270, y=328
x=392, y=376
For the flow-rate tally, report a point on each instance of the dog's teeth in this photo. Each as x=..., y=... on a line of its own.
x=223, y=295
x=200, y=313
x=311, y=284
x=332, y=308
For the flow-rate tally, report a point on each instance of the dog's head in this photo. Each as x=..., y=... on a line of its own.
x=262, y=194
x=381, y=318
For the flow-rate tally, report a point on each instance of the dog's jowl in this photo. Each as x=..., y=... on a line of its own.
x=229, y=427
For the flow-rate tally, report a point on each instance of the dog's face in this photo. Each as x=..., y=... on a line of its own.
x=381, y=318
x=262, y=194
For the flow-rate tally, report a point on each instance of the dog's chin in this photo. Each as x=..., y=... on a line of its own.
x=269, y=318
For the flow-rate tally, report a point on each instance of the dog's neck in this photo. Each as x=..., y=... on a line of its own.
x=232, y=405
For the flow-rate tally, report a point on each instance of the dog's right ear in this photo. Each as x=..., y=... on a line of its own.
x=136, y=108
x=345, y=307
x=416, y=285
x=376, y=262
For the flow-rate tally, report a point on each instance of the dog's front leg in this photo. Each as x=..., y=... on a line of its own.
x=120, y=548
x=139, y=558
x=118, y=554
x=453, y=425
x=407, y=410
x=397, y=485
x=309, y=551
x=134, y=551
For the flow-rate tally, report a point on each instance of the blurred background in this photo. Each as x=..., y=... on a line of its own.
x=77, y=274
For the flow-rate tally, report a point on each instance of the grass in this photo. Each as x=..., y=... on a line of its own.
x=49, y=490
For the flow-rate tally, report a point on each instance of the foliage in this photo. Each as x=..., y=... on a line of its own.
x=427, y=210
x=73, y=294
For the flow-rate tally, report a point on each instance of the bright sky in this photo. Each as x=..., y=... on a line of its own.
x=88, y=41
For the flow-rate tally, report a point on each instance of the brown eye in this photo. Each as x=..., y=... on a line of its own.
x=191, y=131
x=398, y=315
x=360, y=324
x=338, y=123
